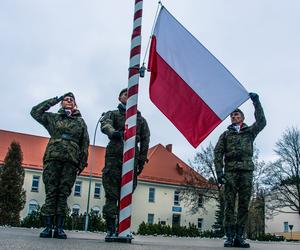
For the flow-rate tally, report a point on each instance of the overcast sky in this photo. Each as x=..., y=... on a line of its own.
x=51, y=47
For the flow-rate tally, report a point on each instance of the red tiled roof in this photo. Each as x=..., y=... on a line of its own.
x=166, y=167
x=33, y=148
x=163, y=166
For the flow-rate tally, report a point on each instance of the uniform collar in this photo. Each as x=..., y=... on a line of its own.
x=76, y=113
x=232, y=127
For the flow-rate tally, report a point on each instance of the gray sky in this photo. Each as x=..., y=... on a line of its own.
x=51, y=47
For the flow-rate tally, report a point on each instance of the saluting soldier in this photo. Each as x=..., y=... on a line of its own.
x=65, y=157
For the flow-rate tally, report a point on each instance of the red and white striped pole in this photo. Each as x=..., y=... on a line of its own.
x=130, y=124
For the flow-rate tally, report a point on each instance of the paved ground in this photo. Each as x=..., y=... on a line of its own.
x=25, y=239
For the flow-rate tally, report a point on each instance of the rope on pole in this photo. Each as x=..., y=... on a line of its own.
x=159, y=5
x=125, y=203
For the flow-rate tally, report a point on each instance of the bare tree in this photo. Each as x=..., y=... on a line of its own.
x=283, y=179
x=203, y=164
x=256, y=222
x=203, y=186
x=203, y=183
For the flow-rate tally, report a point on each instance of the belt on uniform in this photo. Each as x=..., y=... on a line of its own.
x=68, y=137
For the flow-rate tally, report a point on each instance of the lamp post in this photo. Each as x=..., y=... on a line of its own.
x=90, y=177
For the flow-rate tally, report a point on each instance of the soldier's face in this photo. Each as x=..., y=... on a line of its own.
x=236, y=118
x=123, y=98
x=68, y=103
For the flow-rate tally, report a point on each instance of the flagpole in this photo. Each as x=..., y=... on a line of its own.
x=125, y=203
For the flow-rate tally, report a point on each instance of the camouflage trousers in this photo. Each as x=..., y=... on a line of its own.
x=59, y=178
x=238, y=183
x=111, y=178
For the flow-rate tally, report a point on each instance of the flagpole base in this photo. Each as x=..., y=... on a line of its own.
x=119, y=239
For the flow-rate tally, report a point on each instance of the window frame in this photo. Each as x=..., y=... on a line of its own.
x=75, y=207
x=77, y=184
x=200, y=220
x=150, y=218
x=151, y=195
x=98, y=196
x=176, y=201
x=35, y=179
x=285, y=226
x=32, y=203
x=200, y=200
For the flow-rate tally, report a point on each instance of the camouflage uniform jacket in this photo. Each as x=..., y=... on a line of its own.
x=69, y=136
x=115, y=121
x=235, y=149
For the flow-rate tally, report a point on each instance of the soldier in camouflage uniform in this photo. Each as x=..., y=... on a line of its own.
x=65, y=157
x=234, y=152
x=113, y=125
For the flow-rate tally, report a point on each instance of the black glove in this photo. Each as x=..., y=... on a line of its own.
x=254, y=97
x=221, y=178
x=140, y=166
x=59, y=99
x=117, y=135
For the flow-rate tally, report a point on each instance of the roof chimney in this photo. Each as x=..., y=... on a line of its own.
x=169, y=147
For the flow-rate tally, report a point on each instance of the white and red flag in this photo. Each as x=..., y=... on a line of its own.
x=188, y=84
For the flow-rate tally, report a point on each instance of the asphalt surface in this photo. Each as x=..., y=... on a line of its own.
x=24, y=238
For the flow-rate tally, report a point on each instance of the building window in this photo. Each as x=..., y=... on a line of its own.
x=200, y=200
x=285, y=226
x=151, y=195
x=162, y=222
x=77, y=189
x=176, y=198
x=75, y=209
x=97, y=190
x=150, y=218
x=200, y=223
x=33, y=206
x=176, y=219
x=96, y=210
x=35, y=183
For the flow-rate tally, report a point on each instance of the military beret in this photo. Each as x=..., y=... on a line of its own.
x=70, y=94
x=122, y=91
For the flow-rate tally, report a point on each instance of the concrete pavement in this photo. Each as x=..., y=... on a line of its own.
x=25, y=239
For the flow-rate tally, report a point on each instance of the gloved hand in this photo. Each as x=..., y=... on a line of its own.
x=53, y=102
x=221, y=178
x=140, y=166
x=117, y=135
x=59, y=99
x=254, y=97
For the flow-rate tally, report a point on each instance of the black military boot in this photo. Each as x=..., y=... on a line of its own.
x=229, y=236
x=47, y=232
x=110, y=228
x=59, y=229
x=239, y=241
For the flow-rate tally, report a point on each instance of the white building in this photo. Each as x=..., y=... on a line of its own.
x=156, y=198
x=279, y=222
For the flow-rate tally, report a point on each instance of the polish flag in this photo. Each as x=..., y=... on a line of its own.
x=188, y=84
